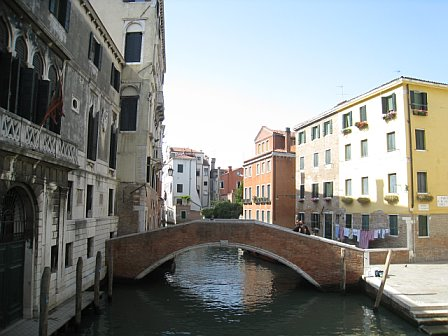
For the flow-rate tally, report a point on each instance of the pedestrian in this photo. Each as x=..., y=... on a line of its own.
x=306, y=230
x=298, y=227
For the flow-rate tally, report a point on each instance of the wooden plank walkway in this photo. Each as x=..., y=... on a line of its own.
x=57, y=318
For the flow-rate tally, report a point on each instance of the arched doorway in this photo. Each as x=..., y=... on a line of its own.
x=16, y=229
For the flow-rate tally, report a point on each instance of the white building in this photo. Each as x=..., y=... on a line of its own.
x=187, y=190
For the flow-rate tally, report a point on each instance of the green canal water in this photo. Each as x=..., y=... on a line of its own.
x=220, y=291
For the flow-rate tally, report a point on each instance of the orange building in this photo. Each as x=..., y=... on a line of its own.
x=269, y=179
x=229, y=182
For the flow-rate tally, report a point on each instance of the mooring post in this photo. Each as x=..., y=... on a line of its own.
x=343, y=270
x=110, y=272
x=78, y=303
x=44, y=297
x=383, y=281
x=96, y=295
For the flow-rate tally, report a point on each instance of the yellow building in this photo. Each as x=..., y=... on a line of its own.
x=387, y=169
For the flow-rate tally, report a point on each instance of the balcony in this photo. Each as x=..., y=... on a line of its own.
x=160, y=106
x=22, y=133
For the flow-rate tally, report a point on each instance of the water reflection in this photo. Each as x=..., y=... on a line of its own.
x=218, y=291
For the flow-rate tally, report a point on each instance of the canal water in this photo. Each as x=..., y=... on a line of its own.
x=220, y=291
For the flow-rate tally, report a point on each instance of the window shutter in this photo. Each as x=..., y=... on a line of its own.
x=384, y=104
x=394, y=102
x=52, y=6
x=96, y=120
x=133, y=47
x=67, y=15
x=91, y=47
x=424, y=101
x=27, y=93
x=412, y=96
x=100, y=56
x=113, y=148
x=43, y=100
x=5, y=74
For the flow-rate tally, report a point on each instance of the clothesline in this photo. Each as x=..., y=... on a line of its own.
x=362, y=236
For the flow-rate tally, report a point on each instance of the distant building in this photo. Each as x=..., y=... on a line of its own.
x=187, y=191
x=229, y=182
x=269, y=179
x=137, y=27
x=372, y=170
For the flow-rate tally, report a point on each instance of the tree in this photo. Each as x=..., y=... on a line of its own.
x=223, y=210
x=239, y=194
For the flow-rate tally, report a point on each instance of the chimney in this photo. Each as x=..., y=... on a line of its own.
x=288, y=140
x=230, y=169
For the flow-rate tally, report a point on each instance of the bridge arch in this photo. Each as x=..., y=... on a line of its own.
x=316, y=259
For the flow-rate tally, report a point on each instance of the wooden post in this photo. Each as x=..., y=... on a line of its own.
x=44, y=297
x=96, y=296
x=383, y=281
x=343, y=270
x=110, y=272
x=78, y=304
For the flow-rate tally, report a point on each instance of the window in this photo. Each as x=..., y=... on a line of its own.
x=268, y=216
x=221, y=184
x=389, y=103
x=113, y=147
x=348, y=152
x=258, y=169
x=328, y=156
x=423, y=230
x=180, y=168
x=419, y=101
x=68, y=255
x=302, y=163
x=183, y=214
x=258, y=191
x=69, y=199
x=61, y=10
x=128, y=115
x=302, y=137
x=365, y=222
x=268, y=166
x=110, y=208
x=90, y=249
x=258, y=215
x=364, y=148
x=391, y=141
x=89, y=201
x=348, y=220
x=363, y=113
x=263, y=165
x=54, y=258
x=268, y=191
x=422, y=186
x=328, y=189
x=348, y=187
x=420, y=143
x=301, y=216
x=316, y=160
x=315, y=190
x=315, y=220
x=179, y=188
x=262, y=191
x=328, y=127
x=92, y=135
x=179, y=201
x=133, y=47
x=95, y=51
x=392, y=181
x=315, y=132
x=364, y=185
x=393, y=225
x=347, y=120
x=302, y=191
x=115, y=78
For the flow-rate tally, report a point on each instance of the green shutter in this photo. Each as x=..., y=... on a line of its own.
x=394, y=102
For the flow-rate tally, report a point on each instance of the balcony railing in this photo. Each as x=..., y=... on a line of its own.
x=23, y=133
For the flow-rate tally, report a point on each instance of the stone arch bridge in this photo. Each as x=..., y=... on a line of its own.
x=316, y=259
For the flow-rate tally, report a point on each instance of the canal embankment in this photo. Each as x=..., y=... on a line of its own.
x=418, y=292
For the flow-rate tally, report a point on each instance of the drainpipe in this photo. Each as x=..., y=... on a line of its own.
x=411, y=244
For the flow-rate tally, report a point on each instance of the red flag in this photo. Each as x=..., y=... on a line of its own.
x=55, y=108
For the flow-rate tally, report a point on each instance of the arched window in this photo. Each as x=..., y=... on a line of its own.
x=133, y=43
x=129, y=107
x=21, y=50
x=92, y=134
x=38, y=65
x=3, y=37
x=5, y=65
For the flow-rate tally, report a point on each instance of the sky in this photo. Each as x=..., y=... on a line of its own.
x=235, y=66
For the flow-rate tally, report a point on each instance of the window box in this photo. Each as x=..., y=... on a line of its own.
x=301, y=200
x=420, y=112
x=347, y=199
x=315, y=199
x=390, y=115
x=361, y=124
x=391, y=198
x=364, y=200
x=424, y=197
x=328, y=198
x=347, y=130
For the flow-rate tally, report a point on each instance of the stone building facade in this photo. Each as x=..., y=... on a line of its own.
x=59, y=113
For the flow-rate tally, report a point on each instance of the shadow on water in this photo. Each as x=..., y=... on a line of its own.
x=218, y=291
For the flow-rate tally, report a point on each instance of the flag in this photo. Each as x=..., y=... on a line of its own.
x=55, y=111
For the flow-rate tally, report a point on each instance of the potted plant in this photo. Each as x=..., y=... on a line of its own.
x=391, y=198
x=361, y=124
x=363, y=200
x=390, y=115
x=425, y=197
x=347, y=199
x=347, y=130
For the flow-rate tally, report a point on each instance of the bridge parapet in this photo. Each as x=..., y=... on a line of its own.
x=317, y=259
